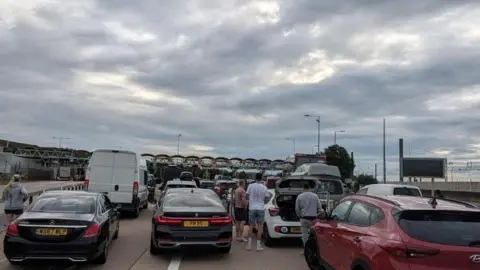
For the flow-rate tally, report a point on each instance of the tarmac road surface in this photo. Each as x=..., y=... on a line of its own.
x=131, y=252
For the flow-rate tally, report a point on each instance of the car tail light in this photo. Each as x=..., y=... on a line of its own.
x=273, y=211
x=217, y=190
x=161, y=220
x=399, y=249
x=135, y=188
x=92, y=231
x=220, y=220
x=12, y=230
x=85, y=184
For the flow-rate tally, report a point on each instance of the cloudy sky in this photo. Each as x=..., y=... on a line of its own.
x=235, y=77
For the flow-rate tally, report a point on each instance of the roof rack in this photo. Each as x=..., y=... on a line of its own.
x=378, y=198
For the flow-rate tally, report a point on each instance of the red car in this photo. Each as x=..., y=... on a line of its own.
x=365, y=232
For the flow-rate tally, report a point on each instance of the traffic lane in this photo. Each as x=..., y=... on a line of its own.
x=283, y=256
x=132, y=242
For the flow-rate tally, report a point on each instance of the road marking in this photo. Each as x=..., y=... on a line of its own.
x=175, y=263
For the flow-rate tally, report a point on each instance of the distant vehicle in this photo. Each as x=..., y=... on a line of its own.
x=194, y=217
x=75, y=226
x=390, y=189
x=180, y=184
x=281, y=221
x=396, y=232
x=270, y=181
x=207, y=184
x=121, y=175
x=223, y=177
x=299, y=159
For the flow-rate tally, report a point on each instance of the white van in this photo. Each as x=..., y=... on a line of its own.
x=121, y=175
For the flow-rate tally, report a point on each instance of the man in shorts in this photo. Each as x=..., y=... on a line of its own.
x=256, y=194
x=240, y=203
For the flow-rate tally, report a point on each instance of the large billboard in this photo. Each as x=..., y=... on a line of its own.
x=424, y=167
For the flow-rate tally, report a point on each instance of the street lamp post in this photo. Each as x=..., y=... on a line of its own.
x=335, y=135
x=317, y=119
x=293, y=140
x=60, y=140
x=178, y=143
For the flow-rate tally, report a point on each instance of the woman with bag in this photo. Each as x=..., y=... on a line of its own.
x=14, y=196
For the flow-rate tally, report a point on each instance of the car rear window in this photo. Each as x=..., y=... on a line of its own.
x=180, y=186
x=405, y=191
x=332, y=186
x=192, y=200
x=207, y=185
x=64, y=204
x=455, y=228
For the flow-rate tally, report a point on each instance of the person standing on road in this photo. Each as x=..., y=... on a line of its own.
x=14, y=195
x=256, y=194
x=307, y=208
x=240, y=202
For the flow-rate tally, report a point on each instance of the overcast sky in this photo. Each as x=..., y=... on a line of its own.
x=236, y=77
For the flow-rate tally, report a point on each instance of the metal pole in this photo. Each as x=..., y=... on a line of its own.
x=318, y=133
x=294, y=150
x=178, y=143
x=334, y=137
x=384, y=155
x=375, y=170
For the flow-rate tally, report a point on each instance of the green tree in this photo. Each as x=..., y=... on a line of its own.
x=339, y=156
x=365, y=179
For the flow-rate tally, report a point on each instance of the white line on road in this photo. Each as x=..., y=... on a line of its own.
x=175, y=263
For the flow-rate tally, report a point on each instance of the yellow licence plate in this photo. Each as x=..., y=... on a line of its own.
x=195, y=224
x=295, y=230
x=52, y=232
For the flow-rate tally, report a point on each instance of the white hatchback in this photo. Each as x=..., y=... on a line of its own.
x=281, y=221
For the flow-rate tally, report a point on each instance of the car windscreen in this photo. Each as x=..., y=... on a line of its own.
x=180, y=186
x=192, y=200
x=64, y=204
x=406, y=191
x=456, y=228
x=330, y=186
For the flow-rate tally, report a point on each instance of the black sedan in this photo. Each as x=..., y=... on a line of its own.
x=73, y=226
x=191, y=217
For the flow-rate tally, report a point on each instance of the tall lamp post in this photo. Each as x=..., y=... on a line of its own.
x=335, y=135
x=178, y=143
x=293, y=141
x=317, y=119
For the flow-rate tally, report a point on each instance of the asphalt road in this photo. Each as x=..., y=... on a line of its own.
x=131, y=252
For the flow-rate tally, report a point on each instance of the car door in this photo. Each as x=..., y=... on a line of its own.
x=105, y=218
x=327, y=238
x=350, y=233
x=113, y=215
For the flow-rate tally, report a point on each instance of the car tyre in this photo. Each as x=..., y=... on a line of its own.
x=225, y=250
x=115, y=236
x=153, y=249
x=267, y=240
x=136, y=212
x=312, y=257
x=102, y=259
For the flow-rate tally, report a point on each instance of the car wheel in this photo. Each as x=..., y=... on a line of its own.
x=153, y=249
x=145, y=206
x=312, y=257
x=102, y=259
x=115, y=236
x=136, y=212
x=225, y=250
x=267, y=240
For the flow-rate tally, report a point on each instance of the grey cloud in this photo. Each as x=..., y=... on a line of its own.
x=222, y=62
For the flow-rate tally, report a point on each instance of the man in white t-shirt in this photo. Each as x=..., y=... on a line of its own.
x=256, y=193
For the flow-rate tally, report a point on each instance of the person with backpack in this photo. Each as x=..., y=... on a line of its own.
x=14, y=196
